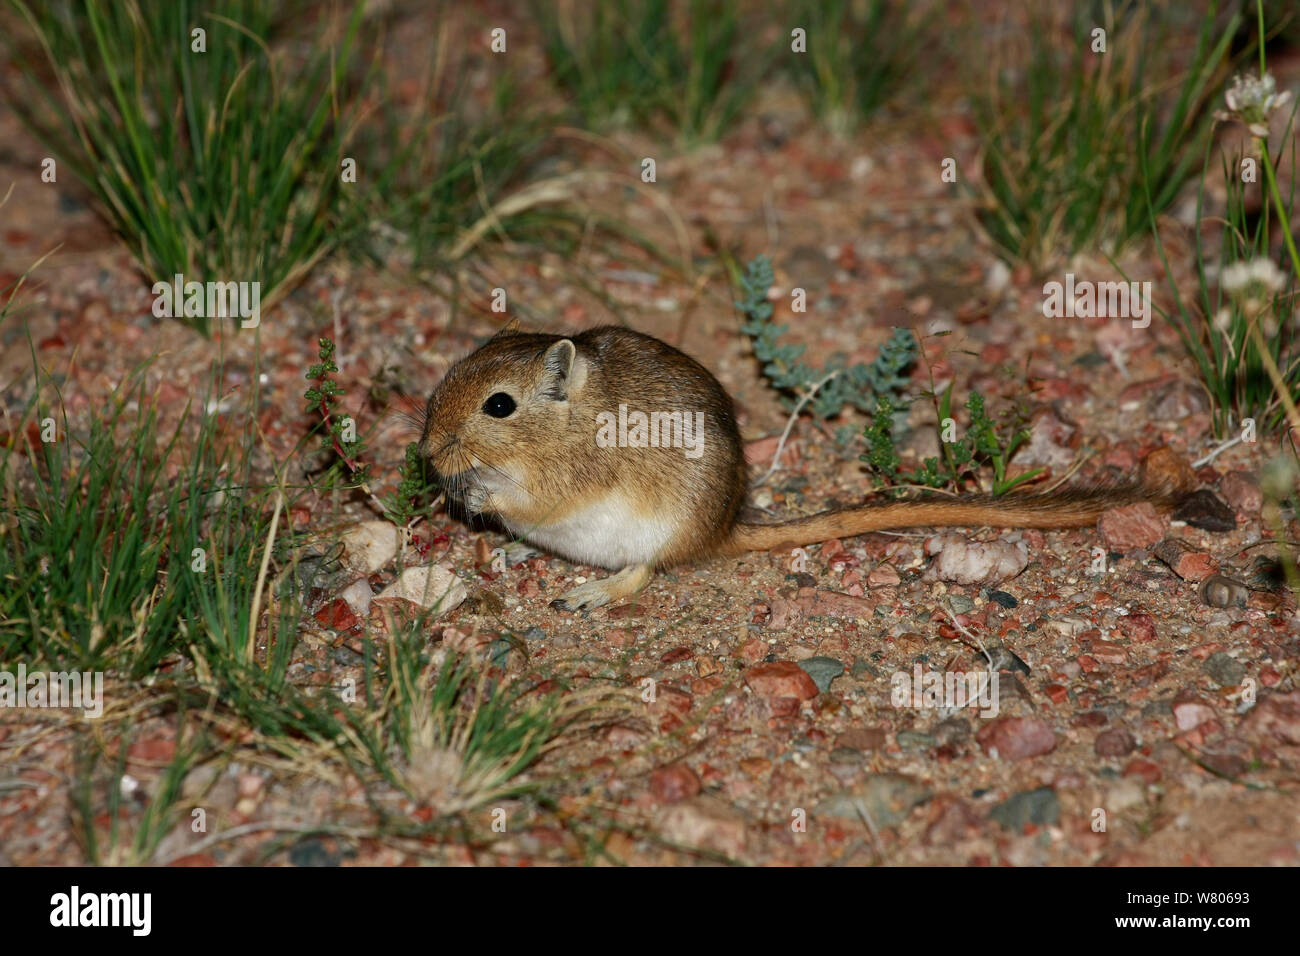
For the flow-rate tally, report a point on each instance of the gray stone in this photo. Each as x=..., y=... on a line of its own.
x=1028, y=806
x=822, y=670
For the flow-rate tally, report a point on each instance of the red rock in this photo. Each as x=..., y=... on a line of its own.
x=1241, y=491
x=620, y=637
x=780, y=679
x=1134, y=392
x=1140, y=628
x=1145, y=769
x=1087, y=663
x=1131, y=527
x=1057, y=692
x=994, y=353
x=670, y=699
x=1109, y=653
x=1190, y=711
x=832, y=549
x=862, y=738
x=337, y=616
x=706, y=685
x=706, y=665
x=1122, y=456
x=951, y=821
x=1185, y=561
x=153, y=750
x=674, y=783
x=760, y=451
x=1017, y=738
x=676, y=655
x=783, y=706
x=752, y=650
x=1116, y=742
x=1276, y=716
x=194, y=859
x=820, y=603
x=883, y=575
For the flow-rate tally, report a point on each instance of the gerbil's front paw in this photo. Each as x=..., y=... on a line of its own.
x=584, y=597
x=517, y=552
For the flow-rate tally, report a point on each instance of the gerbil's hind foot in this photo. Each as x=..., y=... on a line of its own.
x=517, y=552
x=595, y=594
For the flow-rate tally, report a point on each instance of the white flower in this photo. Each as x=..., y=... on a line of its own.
x=1252, y=100
x=1252, y=272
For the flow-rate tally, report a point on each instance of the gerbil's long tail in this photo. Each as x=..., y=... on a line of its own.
x=1057, y=509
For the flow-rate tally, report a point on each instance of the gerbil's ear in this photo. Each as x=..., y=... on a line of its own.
x=557, y=370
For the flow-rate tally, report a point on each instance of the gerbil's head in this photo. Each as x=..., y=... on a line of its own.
x=498, y=415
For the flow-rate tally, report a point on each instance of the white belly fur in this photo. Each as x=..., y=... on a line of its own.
x=609, y=534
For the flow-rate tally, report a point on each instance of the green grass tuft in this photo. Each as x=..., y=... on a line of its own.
x=221, y=165
x=1062, y=124
x=650, y=62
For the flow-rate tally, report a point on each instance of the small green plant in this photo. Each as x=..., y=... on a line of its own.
x=436, y=168
x=1059, y=174
x=100, y=795
x=341, y=441
x=980, y=445
x=451, y=732
x=826, y=391
x=414, y=487
x=1239, y=327
x=340, y=431
x=858, y=56
x=634, y=61
x=82, y=543
x=220, y=164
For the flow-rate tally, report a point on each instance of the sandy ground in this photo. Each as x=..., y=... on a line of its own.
x=1145, y=726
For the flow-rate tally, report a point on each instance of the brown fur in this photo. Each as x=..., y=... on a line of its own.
x=550, y=473
x=1074, y=508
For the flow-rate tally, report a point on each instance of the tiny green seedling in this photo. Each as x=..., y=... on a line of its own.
x=340, y=439
x=340, y=431
x=981, y=444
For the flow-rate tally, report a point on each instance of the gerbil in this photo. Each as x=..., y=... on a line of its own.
x=541, y=432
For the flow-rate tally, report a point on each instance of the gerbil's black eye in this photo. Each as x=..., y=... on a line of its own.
x=499, y=405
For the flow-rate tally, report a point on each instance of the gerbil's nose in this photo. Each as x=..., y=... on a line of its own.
x=440, y=449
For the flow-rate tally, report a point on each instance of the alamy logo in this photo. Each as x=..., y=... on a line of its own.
x=213, y=300
x=54, y=689
x=1098, y=300
x=948, y=690
x=103, y=909
x=656, y=430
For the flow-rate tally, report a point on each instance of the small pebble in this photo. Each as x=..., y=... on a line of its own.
x=1220, y=591
x=1003, y=598
x=1203, y=509
x=1039, y=806
x=1226, y=671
